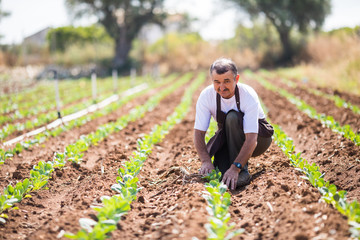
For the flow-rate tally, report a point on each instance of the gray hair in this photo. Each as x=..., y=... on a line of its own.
x=223, y=65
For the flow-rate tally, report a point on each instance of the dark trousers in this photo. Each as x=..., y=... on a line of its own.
x=235, y=139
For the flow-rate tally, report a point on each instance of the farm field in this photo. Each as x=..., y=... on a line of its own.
x=279, y=203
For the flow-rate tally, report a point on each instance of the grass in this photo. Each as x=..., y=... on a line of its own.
x=335, y=63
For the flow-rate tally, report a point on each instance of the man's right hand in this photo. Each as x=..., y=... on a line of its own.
x=206, y=167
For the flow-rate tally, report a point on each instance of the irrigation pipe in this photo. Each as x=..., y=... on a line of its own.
x=78, y=114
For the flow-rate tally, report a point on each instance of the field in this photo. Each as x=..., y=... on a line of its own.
x=160, y=194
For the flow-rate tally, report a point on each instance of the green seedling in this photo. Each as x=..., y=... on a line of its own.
x=215, y=174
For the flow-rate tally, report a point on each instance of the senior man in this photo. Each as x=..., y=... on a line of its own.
x=242, y=131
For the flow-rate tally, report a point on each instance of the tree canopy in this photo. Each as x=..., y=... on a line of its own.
x=62, y=37
x=122, y=20
x=286, y=15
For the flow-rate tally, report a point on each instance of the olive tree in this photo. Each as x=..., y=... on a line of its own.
x=286, y=15
x=122, y=20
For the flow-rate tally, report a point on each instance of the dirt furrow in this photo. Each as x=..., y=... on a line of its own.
x=75, y=189
x=170, y=205
x=18, y=168
x=336, y=156
x=34, y=117
x=279, y=204
x=325, y=106
x=349, y=97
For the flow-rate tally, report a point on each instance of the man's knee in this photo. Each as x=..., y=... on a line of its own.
x=262, y=145
x=232, y=120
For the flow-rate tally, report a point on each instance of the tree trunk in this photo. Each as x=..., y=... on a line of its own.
x=122, y=49
x=286, y=46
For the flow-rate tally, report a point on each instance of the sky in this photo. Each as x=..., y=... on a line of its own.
x=216, y=21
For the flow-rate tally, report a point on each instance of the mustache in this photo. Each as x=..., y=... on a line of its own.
x=226, y=89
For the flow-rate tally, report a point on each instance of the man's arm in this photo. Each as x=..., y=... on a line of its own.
x=231, y=175
x=199, y=142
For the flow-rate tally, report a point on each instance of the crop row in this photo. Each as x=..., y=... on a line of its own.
x=52, y=115
x=42, y=137
x=41, y=173
x=67, y=90
x=327, y=121
x=339, y=102
x=219, y=201
x=44, y=118
x=112, y=208
x=28, y=105
x=312, y=173
x=70, y=97
x=11, y=102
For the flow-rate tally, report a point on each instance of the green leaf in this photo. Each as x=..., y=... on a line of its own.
x=87, y=224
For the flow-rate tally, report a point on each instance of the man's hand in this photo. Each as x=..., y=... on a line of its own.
x=230, y=177
x=206, y=167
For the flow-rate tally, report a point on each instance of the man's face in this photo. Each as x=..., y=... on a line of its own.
x=225, y=83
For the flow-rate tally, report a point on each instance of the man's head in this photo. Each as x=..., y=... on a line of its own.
x=224, y=75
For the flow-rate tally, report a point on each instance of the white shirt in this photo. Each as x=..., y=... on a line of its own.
x=249, y=105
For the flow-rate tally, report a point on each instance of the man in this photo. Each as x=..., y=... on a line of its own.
x=240, y=118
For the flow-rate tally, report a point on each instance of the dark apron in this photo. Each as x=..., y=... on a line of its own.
x=217, y=146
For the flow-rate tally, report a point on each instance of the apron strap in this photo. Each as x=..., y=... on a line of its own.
x=218, y=107
x=237, y=97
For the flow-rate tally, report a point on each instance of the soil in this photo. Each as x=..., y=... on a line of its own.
x=277, y=204
x=324, y=106
x=336, y=156
x=23, y=120
x=349, y=97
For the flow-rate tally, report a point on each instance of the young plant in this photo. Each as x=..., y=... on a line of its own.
x=114, y=207
x=219, y=201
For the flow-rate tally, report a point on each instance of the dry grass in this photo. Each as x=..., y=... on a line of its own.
x=335, y=63
x=182, y=53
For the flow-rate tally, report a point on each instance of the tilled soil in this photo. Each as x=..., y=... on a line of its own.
x=74, y=189
x=349, y=97
x=277, y=204
x=336, y=156
x=20, y=165
x=324, y=106
x=32, y=118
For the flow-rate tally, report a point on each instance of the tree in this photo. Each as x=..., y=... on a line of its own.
x=69, y=35
x=286, y=15
x=122, y=20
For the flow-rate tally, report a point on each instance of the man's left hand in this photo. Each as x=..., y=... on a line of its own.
x=230, y=177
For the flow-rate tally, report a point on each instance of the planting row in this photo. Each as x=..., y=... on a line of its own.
x=44, y=118
x=79, y=97
x=114, y=207
x=41, y=173
x=338, y=101
x=337, y=156
x=69, y=91
x=327, y=121
x=278, y=204
x=323, y=103
x=328, y=191
x=42, y=137
x=304, y=81
x=92, y=176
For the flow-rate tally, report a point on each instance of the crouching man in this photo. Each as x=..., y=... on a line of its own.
x=242, y=131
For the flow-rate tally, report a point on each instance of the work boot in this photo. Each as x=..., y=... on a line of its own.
x=244, y=177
